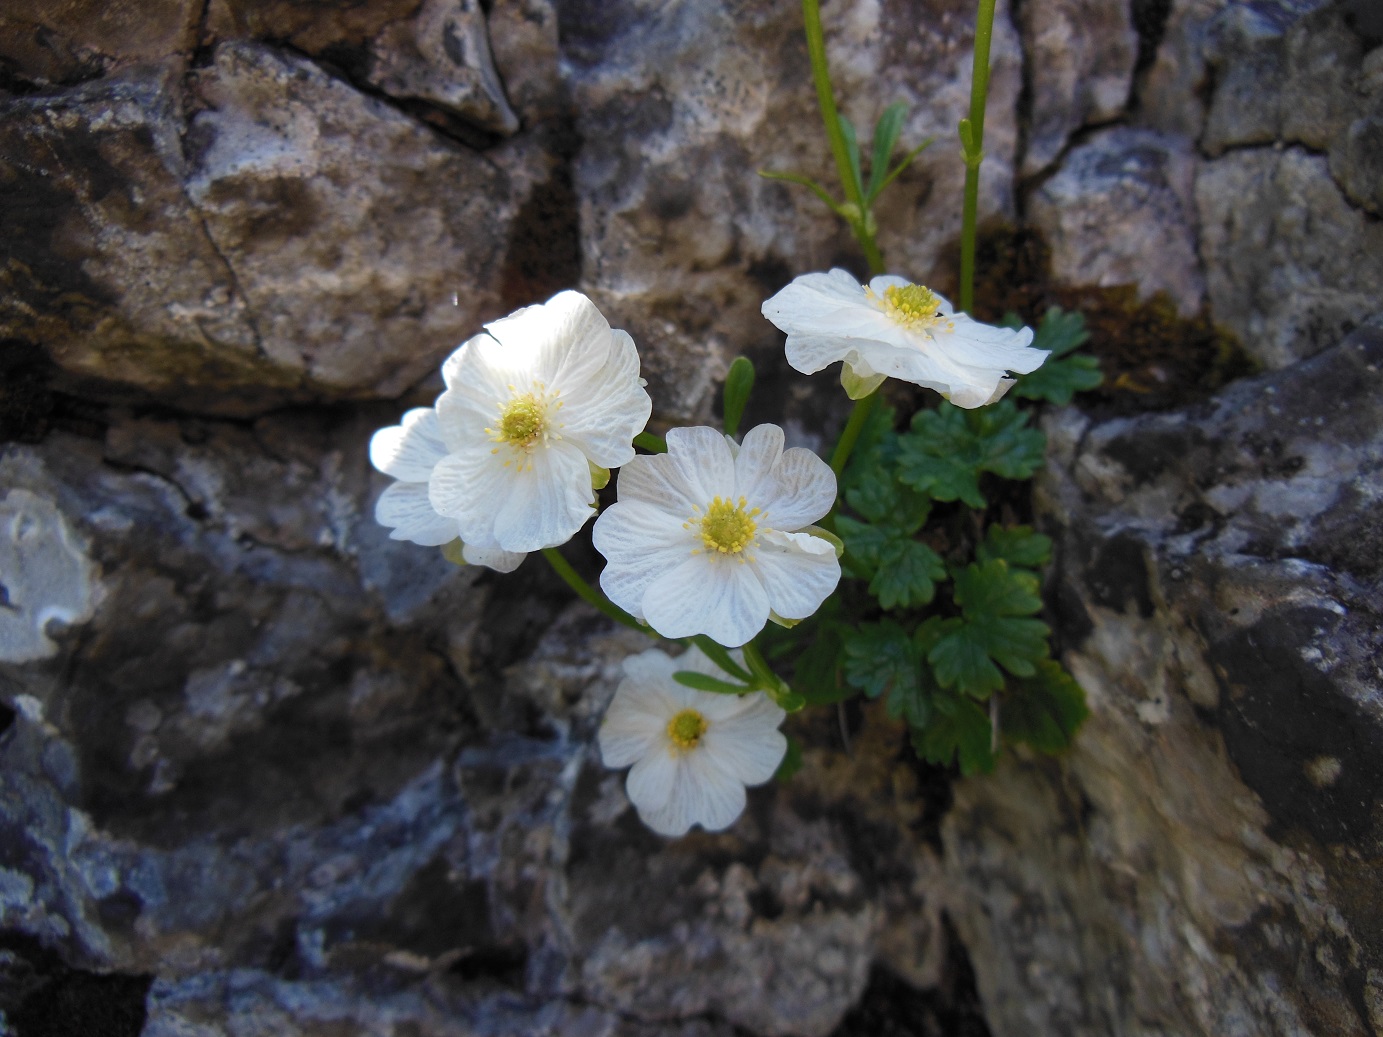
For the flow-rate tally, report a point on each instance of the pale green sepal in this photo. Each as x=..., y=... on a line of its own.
x=786, y=624
x=600, y=477
x=827, y=536
x=857, y=387
x=452, y=552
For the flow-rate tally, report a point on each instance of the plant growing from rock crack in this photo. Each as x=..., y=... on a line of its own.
x=736, y=548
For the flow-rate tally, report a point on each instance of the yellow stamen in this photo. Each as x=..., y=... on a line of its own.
x=686, y=728
x=913, y=306
x=727, y=528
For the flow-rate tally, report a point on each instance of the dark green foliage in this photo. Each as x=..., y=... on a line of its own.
x=1061, y=376
x=1045, y=710
x=948, y=448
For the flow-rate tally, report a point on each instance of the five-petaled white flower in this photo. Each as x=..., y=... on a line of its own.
x=532, y=411
x=892, y=328
x=693, y=752
x=409, y=451
x=705, y=538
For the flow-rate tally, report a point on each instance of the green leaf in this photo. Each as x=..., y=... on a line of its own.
x=959, y=727
x=852, y=150
x=881, y=656
x=719, y=655
x=804, y=181
x=903, y=164
x=739, y=381
x=881, y=498
x=993, y=588
x=993, y=599
x=817, y=669
x=1017, y=545
x=1044, y=710
x=1061, y=376
x=902, y=572
x=792, y=760
x=886, y=132
x=960, y=659
x=701, y=682
x=947, y=448
x=1008, y=447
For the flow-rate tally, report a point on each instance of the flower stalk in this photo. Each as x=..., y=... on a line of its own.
x=856, y=209
x=589, y=594
x=972, y=146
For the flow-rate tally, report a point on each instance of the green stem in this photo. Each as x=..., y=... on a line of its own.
x=826, y=99
x=589, y=594
x=759, y=668
x=853, y=427
x=974, y=152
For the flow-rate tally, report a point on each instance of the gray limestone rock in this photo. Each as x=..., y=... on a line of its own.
x=1121, y=210
x=268, y=248
x=1199, y=863
x=1290, y=264
x=443, y=56
x=1299, y=73
x=677, y=107
x=1079, y=57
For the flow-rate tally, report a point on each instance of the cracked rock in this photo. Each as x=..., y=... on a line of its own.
x=1202, y=858
x=1080, y=56
x=1290, y=264
x=1121, y=210
x=442, y=56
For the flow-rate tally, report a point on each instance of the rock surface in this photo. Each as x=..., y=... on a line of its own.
x=265, y=771
x=1122, y=211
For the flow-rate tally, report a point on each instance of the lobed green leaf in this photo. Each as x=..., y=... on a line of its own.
x=1019, y=546
x=1045, y=710
x=959, y=727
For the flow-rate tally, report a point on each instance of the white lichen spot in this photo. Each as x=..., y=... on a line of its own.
x=45, y=575
x=1324, y=771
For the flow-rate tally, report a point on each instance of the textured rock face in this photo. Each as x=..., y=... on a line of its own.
x=265, y=771
x=1080, y=58
x=1203, y=861
x=1122, y=211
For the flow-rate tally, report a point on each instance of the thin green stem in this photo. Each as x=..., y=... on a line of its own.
x=821, y=75
x=759, y=668
x=859, y=219
x=974, y=152
x=589, y=594
x=848, y=435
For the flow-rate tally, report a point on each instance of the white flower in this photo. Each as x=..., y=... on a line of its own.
x=531, y=412
x=409, y=451
x=704, y=538
x=693, y=752
x=894, y=329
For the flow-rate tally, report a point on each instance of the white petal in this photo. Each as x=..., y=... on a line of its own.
x=603, y=415
x=980, y=345
x=704, y=461
x=547, y=502
x=715, y=797
x=408, y=450
x=492, y=557
x=565, y=334
x=756, y=462
x=652, y=780
x=812, y=297
x=798, y=572
x=640, y=543
x=465, y=485
x=749, y=746
x=405, y=508
x=803, y=490
x=718, y=597
x=635, y=725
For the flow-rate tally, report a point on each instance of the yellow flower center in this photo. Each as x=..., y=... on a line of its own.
x=728, y=528
x=912, y=306
x=525, y=420
x=686, y=729
x=522, y=420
